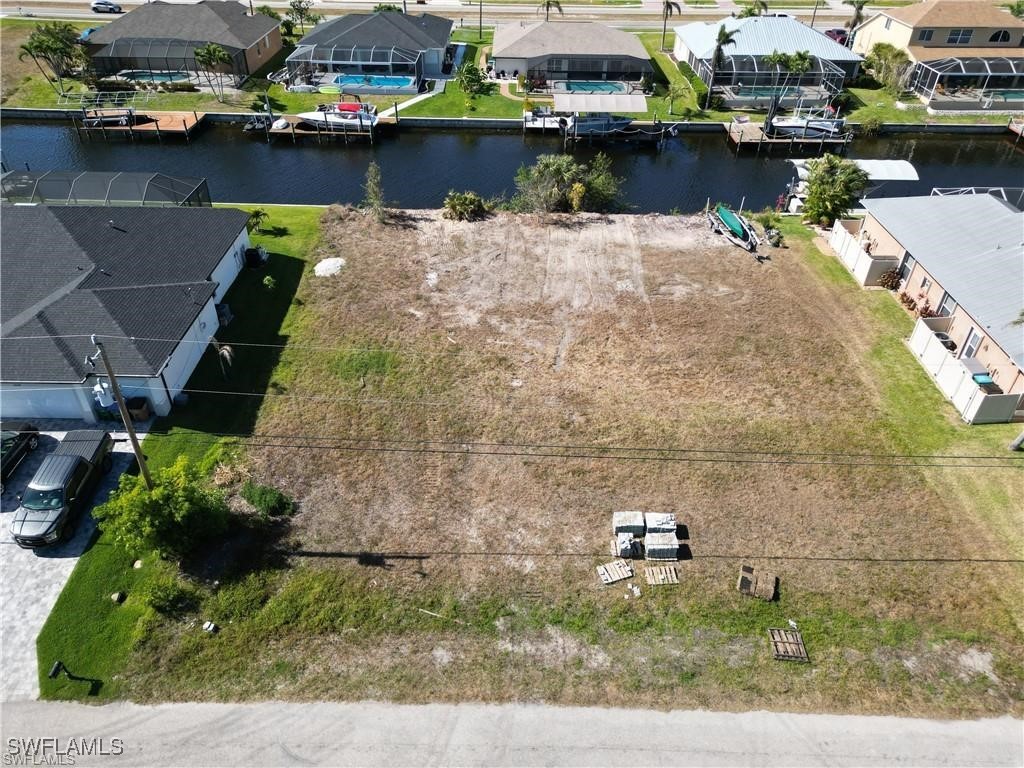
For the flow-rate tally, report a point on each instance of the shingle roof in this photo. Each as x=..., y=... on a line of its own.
x=523, y=40
x=954, y=13
x=385, y=29
x=68, y=272
x=762, y=35
x=224, y=22
x=973, y=245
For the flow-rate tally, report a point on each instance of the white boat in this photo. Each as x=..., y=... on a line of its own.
x=596, y=124
x=807, y=126
x=345, y=116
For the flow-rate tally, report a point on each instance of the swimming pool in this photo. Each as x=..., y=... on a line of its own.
x=1010, y=94
x=376, y=81
x=589, y=86
x=153, y=77
x=763, y=90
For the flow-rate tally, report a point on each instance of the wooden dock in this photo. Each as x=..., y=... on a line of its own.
x=132, y=124
x=752, y=136
x=298, y=129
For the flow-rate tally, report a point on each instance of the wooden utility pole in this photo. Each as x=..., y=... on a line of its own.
x=125, y=416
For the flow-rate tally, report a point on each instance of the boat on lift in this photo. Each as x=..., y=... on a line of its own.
x=346, y=115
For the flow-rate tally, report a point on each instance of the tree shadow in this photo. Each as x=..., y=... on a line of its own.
x=274, y=231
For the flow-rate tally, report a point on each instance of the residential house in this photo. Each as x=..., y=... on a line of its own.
x=160, y=37
x=554, y=52
x=367, y=52
x=145, y=280
x=961, y=261
x=745, y=79
x=966, y=54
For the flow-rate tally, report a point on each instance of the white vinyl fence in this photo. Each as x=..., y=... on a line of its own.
x=866, y=268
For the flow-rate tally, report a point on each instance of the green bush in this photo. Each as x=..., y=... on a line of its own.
x=165, y=594
x=242, y=599
x=465, y=206
x=107, y=86
x=890, y=279
x=181, y=87
x=181, y=513
x=558, y=183
x=870, y=126
x=695, y=82
x=267, y=500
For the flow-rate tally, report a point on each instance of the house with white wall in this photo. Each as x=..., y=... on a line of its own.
x=146, y=281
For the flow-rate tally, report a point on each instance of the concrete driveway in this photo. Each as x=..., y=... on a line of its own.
x=31, y=580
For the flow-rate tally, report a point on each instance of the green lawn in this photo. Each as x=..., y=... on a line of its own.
x=87, y=631
x=455, y=102
x=877, y=104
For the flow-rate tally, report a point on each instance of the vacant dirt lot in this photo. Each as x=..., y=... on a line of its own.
x=594, y=332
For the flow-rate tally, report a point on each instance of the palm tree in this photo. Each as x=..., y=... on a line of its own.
x=776, y=60
x=668, y=7
x=547, y=5
x=756, y=8
x=856, y=19
x=726, y=37
x=257, y=219
x=798, y=64
x=676, y=90
x=209, y=57
x=56, y=43
x=34, y=50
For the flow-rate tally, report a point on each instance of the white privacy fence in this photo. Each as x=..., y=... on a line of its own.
x=954, y=379
x=845, y=241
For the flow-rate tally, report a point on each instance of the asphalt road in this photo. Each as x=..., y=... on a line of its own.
x=374, y=734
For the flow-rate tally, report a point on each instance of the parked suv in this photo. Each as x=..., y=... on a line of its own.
x=17, y=440
x=61, y=487
x=105, y=6
x=838, y=34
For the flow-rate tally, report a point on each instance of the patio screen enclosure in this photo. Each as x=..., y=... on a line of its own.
x=966, y=72
x=99, y=188
x=159, y=55
x=754, y=71
x=307, y=60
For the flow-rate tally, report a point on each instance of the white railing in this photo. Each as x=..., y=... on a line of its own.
x=953, y=378
x=846, y=243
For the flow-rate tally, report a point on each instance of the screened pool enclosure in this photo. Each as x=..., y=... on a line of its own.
x=970, y=82
x=101, y=188
x=140, y=55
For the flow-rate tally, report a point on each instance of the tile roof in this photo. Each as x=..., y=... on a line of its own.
x=224, y=22
x=67, y=272
x=566, y=38
x=973, y=245
x=386, y=29
x=762, y=35
x=954, y=13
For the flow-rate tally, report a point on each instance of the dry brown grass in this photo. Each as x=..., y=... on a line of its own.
x=617, y=331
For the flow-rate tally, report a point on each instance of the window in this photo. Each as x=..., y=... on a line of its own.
x=947, y=306
x=1002, y=36
x=888, y=23
x=925, y=283
x=907, y=267
x=972, y=344
x=959, y=36
x=925, y=35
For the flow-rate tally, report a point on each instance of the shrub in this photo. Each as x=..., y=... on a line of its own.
x=870, y=126
x=695, y=82
x=833, y=185
x=907, y=301
x=184, y=86
x=269, y=283
x=550, y=185
x=464, y=206
x=267, y=500
x=181, y=512
x=165, y=594
x=241, y=599
x=890, y=279
x=114, y=85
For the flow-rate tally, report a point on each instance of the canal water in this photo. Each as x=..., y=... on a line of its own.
x=419, y=167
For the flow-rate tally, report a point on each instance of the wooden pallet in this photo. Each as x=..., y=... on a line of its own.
x=616, y=570
x=661, y=574
x=757, y=583
x=788, y=645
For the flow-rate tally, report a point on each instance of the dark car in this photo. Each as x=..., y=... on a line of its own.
x=838, y=34
x=61, y=487
x=19, y=440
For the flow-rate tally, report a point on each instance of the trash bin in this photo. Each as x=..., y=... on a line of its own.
x=138, y=408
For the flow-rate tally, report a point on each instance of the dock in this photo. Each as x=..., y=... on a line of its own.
x=127, y=122
x=298, y=129
x=752, y=136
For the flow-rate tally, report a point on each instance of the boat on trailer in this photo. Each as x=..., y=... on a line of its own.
x=733, y=226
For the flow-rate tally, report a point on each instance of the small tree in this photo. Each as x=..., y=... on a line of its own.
x=464, y=206
x=374, y=189
x=257, y=219
x=668, y=7
x=676, y=90
x=181, y=512
x=266, y=10
x=209, y=57
x=833, y=186
x=301, y=13
x=470, y=78
x=547, y=5
x=56, y=45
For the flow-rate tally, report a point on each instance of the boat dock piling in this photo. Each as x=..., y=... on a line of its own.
x=128, y=123
x=752, y=136
x=356, y=131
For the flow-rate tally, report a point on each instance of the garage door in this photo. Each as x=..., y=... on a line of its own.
x=36, y=402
